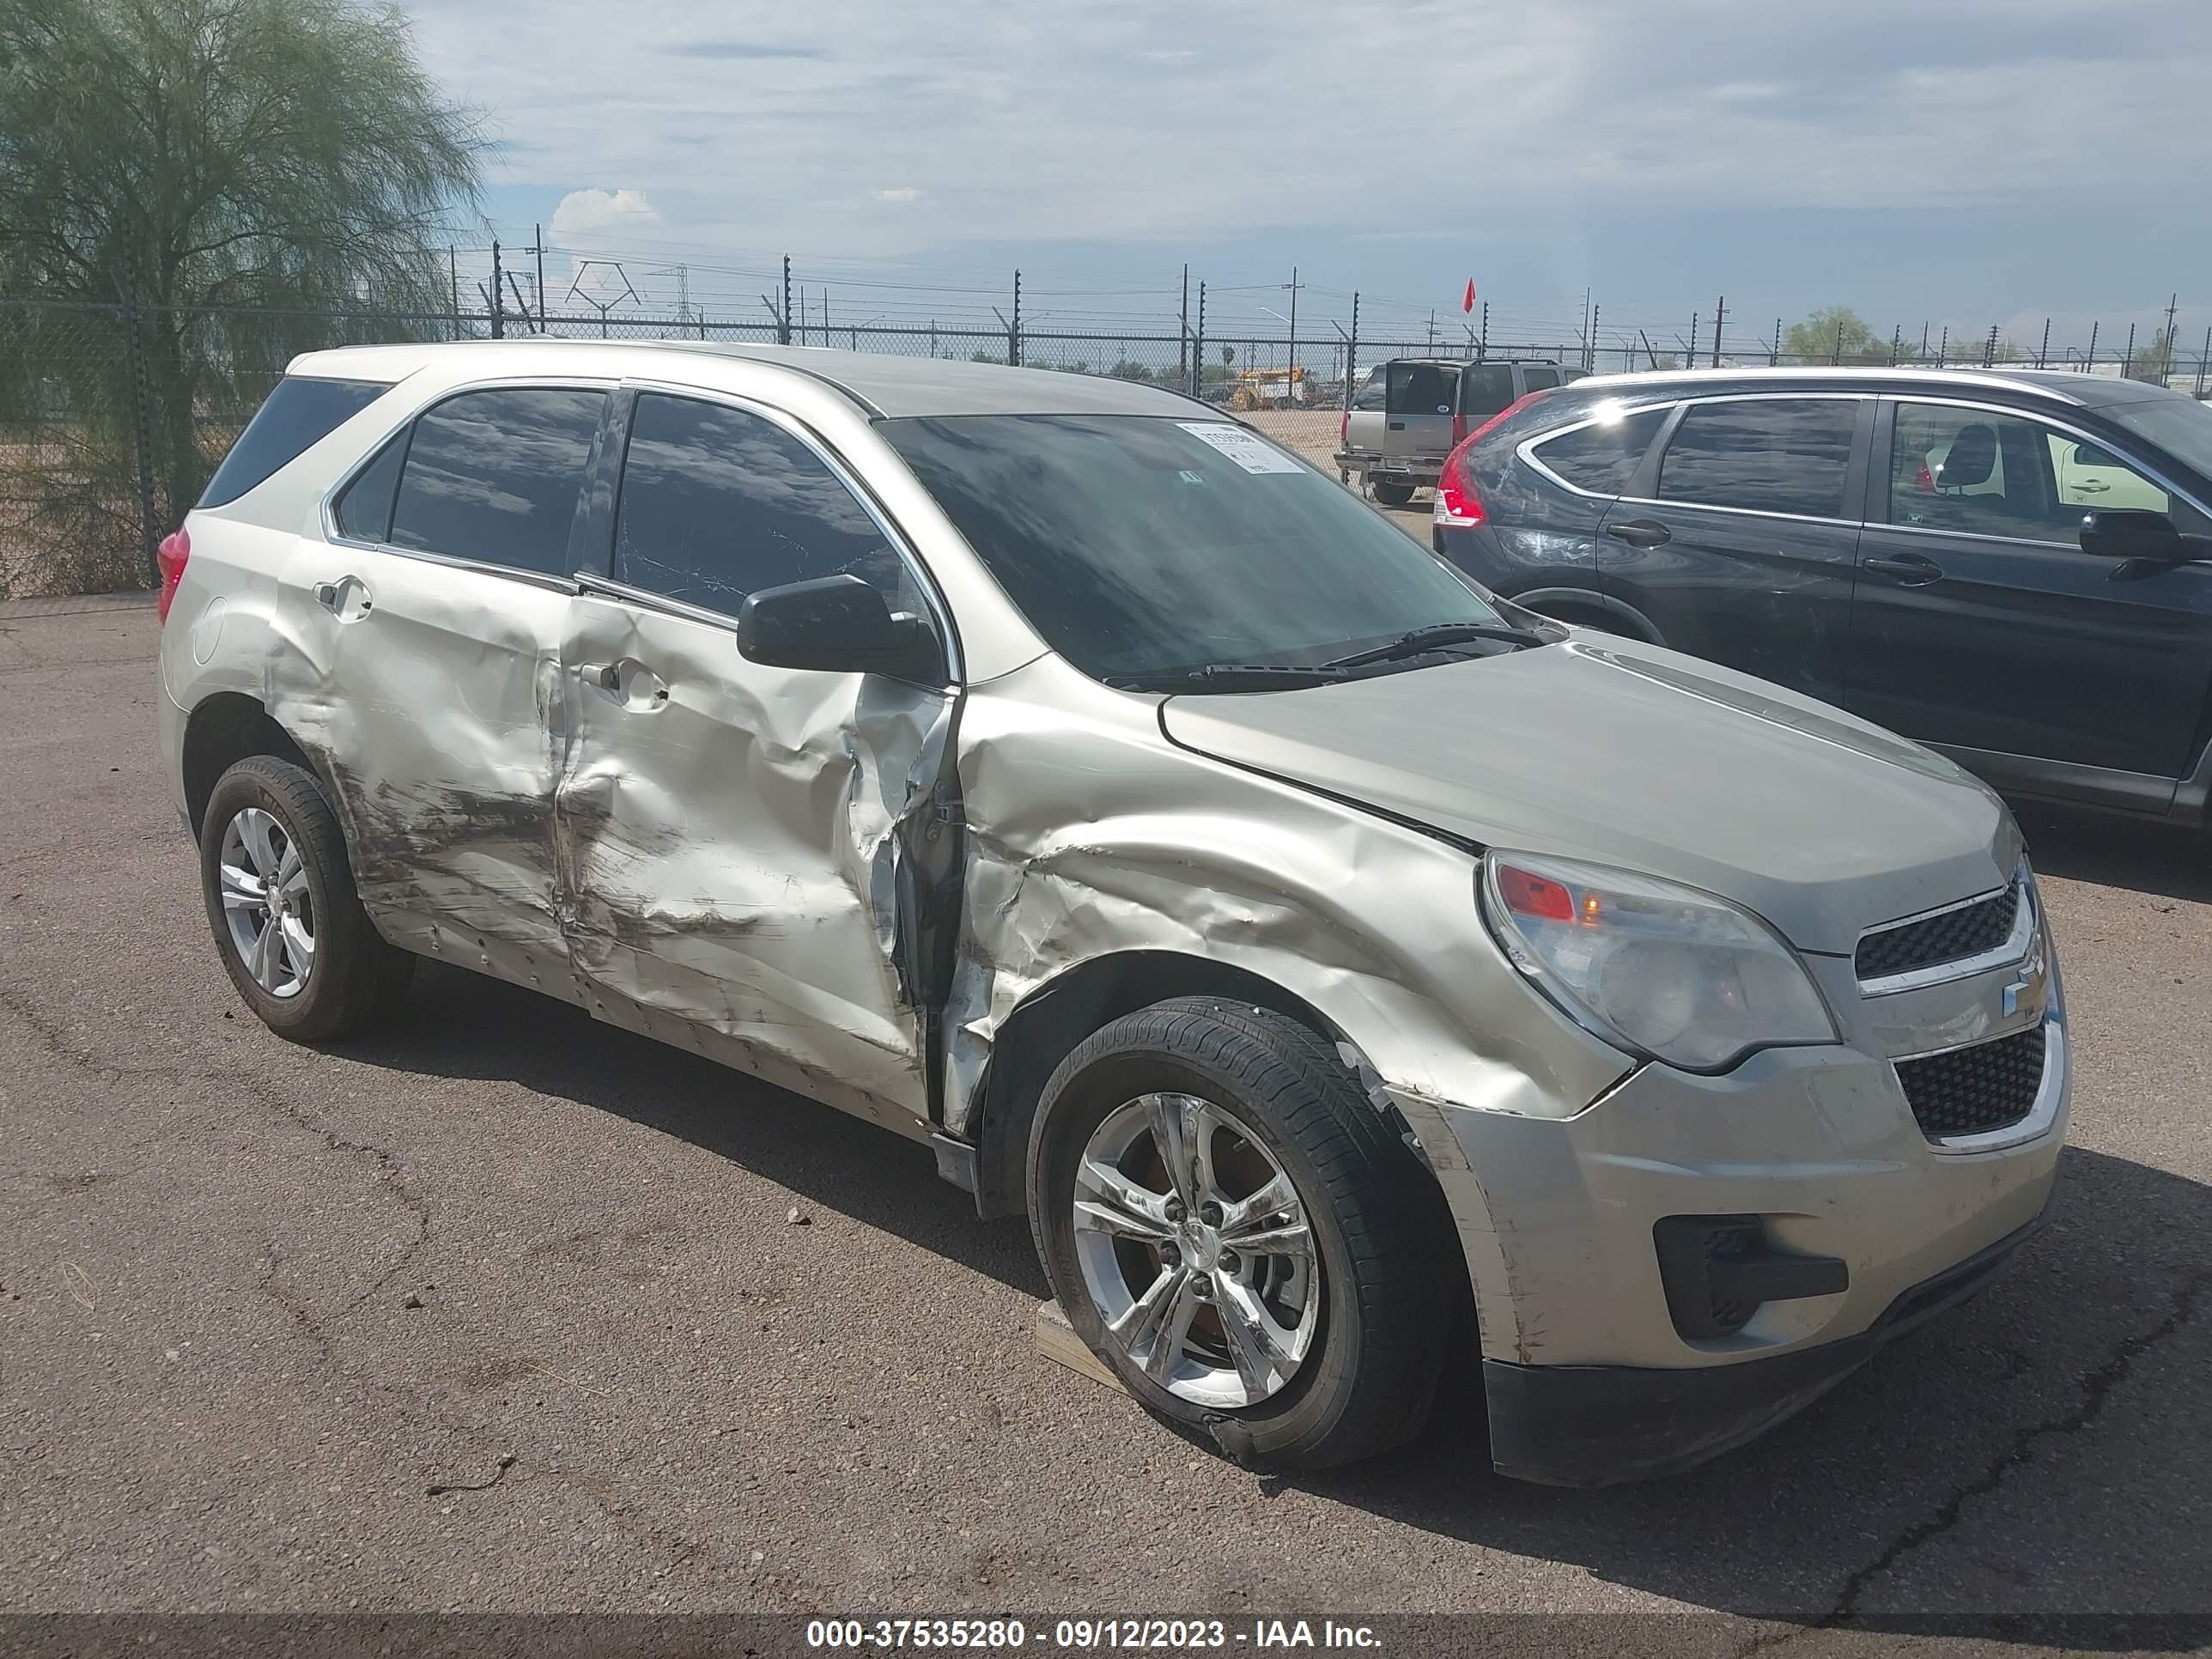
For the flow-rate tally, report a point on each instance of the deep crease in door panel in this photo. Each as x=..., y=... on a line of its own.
x=732, y=875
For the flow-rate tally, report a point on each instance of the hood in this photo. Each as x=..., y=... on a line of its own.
x=1639, y=757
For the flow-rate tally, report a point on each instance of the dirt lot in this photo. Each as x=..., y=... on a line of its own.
x=261, y=1303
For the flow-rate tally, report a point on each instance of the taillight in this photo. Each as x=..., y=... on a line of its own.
x=169, y=558
x=1458, y=503
x=1459, y=428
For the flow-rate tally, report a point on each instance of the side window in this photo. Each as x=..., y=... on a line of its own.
x=1772, y=454
x=1540, y=377
x=300, y=414
x=1422, y=388
x=717, y=502
x=1601, y=457
x=1485, y=390
x=1374, y=392
x=364, y=511
x=1988, y=473
x=495, y=476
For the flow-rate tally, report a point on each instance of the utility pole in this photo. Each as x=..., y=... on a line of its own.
x=1198, y=347
x=537, y=246
x=1432, y=330
x=783, y=317
x=1183, y=326
x=683, y=294
x=1720, y=311
x=1014, y=330
x=498, y=316
x=1292, y=356
x=1352, y=351
x=453, y=268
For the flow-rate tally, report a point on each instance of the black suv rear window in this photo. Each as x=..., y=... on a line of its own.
x=1601, y=457
x=300, y=413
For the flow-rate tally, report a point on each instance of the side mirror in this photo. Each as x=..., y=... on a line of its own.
x=2134, y=532
x=838, y=625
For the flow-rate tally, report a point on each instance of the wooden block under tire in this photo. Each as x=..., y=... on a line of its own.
x=1057, y=1341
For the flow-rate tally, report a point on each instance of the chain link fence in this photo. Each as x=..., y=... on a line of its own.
x=111, y=417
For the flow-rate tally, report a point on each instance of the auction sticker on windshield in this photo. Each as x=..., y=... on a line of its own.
x=1246, y=448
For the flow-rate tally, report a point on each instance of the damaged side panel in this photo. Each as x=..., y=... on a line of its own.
x=732, y=844
x=426, y=693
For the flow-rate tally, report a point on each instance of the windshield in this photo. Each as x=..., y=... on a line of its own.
x=1141, y=545
x=2181, y=427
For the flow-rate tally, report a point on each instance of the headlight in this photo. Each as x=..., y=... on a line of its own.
x=1663, y=971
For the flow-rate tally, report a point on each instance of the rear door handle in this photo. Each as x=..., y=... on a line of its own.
x=1640, y=532
x=345, y=599
x=1397, y=426
x=1908, y=569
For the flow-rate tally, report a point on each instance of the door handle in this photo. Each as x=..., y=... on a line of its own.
x=607, y=676
x=1640, y=532
x=345, y=598
x=1397, y=426
x=2092, y=486
x=1908, y=569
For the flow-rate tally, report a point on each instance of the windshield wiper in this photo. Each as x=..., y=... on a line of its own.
x=1437, y=635
x=1234, y=676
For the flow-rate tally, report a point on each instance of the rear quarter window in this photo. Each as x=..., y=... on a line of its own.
x=1602, y=456
x=299, y=414
x=1423, y=388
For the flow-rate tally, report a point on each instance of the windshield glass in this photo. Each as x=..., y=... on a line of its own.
x=2180, y=425
x=1140, y=545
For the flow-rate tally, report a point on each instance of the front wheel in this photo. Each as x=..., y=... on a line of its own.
x=1231, y=1224
x=1393, y=494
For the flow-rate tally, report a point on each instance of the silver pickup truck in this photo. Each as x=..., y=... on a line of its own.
x=1408, y=412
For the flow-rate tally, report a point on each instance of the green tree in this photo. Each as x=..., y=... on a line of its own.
x=200, y=159
x=1834, y=334
x=2152, y=360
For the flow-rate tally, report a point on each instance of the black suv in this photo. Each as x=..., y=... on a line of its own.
x=2013, y=567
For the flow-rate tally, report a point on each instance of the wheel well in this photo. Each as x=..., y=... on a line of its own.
x=1589, y=611
x=223, y=730
x=1045, y=1029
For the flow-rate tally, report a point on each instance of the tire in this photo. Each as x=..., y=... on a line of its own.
x=266, y=811
x=1391, y=494
x=1372, y=1298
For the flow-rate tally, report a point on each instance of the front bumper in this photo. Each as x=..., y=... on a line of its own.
x=1598, y=1425
x=1592, y=1374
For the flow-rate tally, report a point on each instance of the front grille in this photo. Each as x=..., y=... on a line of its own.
x=1971, y=1091
x=1951, y=937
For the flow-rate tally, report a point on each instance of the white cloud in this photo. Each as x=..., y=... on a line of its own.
x=1064, y=118
x=611, y=212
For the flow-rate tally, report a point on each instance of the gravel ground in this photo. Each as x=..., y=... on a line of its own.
x=504, y=1311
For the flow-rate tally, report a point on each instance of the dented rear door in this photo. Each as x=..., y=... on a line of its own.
x=745, y=853
x=417, y=662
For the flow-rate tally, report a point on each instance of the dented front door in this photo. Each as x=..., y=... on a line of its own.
x=740, y=849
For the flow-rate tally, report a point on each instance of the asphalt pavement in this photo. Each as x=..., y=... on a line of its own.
x=503, y=1310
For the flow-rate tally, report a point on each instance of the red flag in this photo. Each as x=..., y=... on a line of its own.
x=1468, y=304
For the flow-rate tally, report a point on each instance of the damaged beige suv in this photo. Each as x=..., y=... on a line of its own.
x=1328, y=958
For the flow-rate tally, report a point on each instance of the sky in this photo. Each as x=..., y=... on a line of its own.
x=1961, y=165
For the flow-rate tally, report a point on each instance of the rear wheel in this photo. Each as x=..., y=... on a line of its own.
x=1392, y=493
x=1230, y=1224
x=280, y=897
